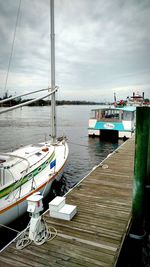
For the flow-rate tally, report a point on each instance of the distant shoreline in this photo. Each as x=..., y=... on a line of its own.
x=48, y=102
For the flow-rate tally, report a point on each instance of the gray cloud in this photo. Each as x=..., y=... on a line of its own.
x=101, y=47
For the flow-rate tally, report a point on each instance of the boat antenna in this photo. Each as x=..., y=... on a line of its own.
x=53, y=100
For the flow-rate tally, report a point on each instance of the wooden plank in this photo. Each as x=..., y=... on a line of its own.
x=95, y=235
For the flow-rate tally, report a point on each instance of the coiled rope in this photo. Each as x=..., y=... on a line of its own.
x=43, y=234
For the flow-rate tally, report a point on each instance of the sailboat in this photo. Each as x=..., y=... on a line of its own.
x=34, y=167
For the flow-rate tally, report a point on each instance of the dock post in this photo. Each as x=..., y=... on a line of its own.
x=137, y=232
x=147, y=195
x=140, y=168
x=148, y=156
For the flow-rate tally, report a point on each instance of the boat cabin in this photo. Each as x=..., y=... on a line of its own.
x=116, y=121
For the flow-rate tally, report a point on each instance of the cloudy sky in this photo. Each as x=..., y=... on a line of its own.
x=102, y=47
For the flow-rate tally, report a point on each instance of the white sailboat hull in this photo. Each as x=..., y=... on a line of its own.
x=19, y=209
x=13, y=205
x=32, y=168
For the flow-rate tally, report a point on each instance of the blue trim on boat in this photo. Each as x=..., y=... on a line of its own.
x=109, y=126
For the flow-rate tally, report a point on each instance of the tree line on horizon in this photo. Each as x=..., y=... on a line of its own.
x=48, y=102
x=58, y=102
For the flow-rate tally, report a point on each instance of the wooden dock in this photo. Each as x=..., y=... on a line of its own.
x=95, y=235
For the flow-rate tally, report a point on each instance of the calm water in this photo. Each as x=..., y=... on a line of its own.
x=32, y=124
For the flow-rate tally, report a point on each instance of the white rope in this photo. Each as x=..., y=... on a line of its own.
x=22, y=240
x=44, y=234
x=13, y=240
x=53, y=233
x=9, y=228
x=47, y=234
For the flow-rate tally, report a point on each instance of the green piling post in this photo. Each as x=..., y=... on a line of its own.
x=141, y=171
x=148, y=156
x=147, y=194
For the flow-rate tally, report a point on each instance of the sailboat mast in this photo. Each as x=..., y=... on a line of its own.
x=53, y=100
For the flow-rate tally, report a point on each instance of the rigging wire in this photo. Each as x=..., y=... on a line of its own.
x=12, y=48
x=61, y=115
x=77, y=144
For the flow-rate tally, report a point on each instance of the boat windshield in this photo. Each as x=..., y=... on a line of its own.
x=107, y=114
x=128, y=116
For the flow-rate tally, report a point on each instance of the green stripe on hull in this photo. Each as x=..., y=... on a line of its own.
x=26, y=178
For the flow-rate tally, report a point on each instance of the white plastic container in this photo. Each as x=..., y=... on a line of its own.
x=67, y=212
x=57, y=203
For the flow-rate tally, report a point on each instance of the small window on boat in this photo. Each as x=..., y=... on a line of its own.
x=30, y=175
x=127, y=116
x=39, y=169
x=38, y=154
x=47, y=162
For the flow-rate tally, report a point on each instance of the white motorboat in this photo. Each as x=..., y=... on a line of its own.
x=113, y=122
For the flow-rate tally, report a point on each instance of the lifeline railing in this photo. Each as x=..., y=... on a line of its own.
x=27, y=102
